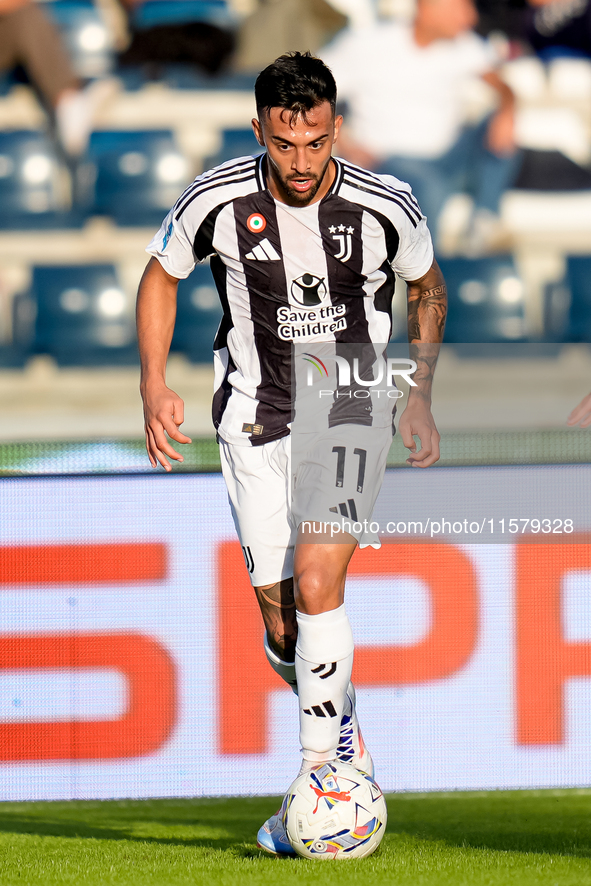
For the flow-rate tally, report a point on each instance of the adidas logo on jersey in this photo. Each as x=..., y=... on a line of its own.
x=263, y=251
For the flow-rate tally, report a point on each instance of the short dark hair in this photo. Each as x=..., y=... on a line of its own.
x=296, y=82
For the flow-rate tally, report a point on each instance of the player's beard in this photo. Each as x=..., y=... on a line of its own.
x=298, y=197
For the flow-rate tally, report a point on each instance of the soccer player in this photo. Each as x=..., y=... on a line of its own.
x=304, y=250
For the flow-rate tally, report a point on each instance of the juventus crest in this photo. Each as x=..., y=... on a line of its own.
x=344, y=237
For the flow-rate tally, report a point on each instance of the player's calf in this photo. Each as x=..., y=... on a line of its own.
x=278, y=609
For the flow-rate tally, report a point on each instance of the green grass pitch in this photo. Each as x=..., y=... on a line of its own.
x=457, y=839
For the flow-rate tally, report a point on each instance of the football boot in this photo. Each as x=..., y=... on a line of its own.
x=272, y=836
x=351, y=747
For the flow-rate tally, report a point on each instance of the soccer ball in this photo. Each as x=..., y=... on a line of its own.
x=335, y=811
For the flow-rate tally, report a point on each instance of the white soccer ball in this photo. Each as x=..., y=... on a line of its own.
x=335, y=811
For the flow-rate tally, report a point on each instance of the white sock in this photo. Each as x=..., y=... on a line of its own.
x=323, y=663
x=285, y=669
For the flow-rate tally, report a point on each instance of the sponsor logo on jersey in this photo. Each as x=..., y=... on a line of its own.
x=309, y=290
x=263, y=251
x=344, y=237
x=167, y=237
x=298, y=324
x=248, y=428
x=256, y=223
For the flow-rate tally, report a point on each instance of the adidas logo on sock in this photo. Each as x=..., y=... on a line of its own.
x=326, y=707
x=263, y=251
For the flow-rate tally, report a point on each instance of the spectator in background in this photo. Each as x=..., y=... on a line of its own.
x=30, y=39
x=278, y=26
x=419, y=72
x=560, y=28
x=203, y=45
x=506, y=18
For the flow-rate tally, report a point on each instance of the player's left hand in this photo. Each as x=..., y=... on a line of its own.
x=417, y=420
x=581, y=414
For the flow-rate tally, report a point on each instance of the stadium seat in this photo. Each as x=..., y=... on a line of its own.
x=83, y=316
x=578, y=281
x=182, y=76
x=198, y=316
x=7, y=81
x=235, y=143
x=486, y=300
x=86, y=35
x=177, y=12
x=32, y=193
x=15, y=352
x=137, y=177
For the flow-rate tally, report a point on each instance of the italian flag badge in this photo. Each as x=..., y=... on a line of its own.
x=256, y=223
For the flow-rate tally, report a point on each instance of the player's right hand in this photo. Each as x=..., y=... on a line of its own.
x=164, y=413
x=581, y=414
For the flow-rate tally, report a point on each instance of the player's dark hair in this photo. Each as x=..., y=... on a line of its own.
x=296, y=82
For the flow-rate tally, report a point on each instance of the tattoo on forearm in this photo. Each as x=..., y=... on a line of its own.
x=427, y=309
x=426, y=313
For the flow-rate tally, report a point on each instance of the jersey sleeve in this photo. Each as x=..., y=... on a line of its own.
x=415, y=252
x=173, y=246
x=475, y=55
x=414, y=255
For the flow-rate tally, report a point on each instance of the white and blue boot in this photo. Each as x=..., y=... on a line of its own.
x=351, y=747
x=272, y=836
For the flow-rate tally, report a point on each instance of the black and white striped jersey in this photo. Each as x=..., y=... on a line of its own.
x=286, y=275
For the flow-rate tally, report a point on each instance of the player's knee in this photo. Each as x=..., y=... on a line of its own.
x=316, y=591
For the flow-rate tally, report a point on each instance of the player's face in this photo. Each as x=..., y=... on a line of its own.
x=299, y=152
x=446, y=19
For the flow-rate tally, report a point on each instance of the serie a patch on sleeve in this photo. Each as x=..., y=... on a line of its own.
x=257, y=430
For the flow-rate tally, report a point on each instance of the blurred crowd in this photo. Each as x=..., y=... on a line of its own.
x=484, y=106
x=403, y=77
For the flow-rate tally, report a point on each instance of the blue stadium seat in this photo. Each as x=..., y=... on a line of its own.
x=485, y=300
x=138, y=175
x=183, y=76
x=178, y=12
x=198, y=316
x=7, y=81
x=31, y=183
x=556, y=301
x=235, y=143
x=86, y=35
x=15, y=352
x=578, y=279
x=83, y=316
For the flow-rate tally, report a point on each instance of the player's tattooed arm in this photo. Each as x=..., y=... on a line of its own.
x=427, y=309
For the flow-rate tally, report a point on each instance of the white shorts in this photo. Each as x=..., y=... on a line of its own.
x=334, y=483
